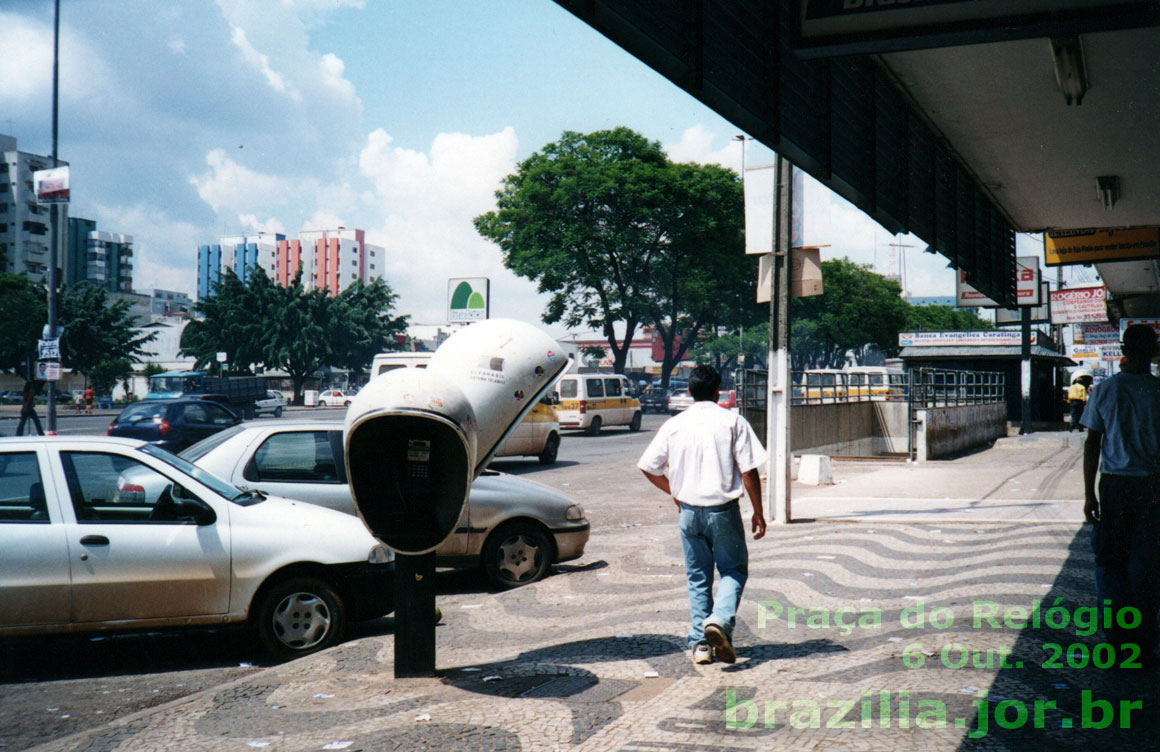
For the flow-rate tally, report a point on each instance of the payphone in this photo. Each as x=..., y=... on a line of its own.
x=414, y=441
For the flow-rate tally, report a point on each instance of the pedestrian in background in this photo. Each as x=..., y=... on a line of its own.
x=28, y=409
x=1123, y=444
x=89, y=395
x=703, y=458
x=1077, y=396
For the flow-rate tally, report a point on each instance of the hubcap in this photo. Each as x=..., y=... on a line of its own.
x=519, y=560
x=301, y=620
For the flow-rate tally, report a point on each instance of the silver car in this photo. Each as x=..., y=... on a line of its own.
x=105, y=533
x=513, y=528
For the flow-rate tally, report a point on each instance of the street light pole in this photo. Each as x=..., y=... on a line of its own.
x=54, y=216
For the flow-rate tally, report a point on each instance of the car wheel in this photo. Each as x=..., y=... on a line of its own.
x=635, y=424
x=594, y=426
x=551, y=449
x=299, y=616
x=277, y=412
x=346, y=404
x=516, y=554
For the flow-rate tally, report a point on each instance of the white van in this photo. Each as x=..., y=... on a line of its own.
x=537, y=435
x=593, y=400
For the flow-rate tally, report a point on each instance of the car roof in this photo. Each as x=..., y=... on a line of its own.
x=82, y=439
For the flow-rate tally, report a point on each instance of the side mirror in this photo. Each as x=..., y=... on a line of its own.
x=414, y=439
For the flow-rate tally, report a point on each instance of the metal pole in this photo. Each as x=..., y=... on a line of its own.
x=1025, y=371
x=54, y=217
x=780, y=390
x=414, y=616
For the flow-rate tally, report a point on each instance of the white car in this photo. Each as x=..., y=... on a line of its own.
x=512, y=528
x=274, y=404
x=103, y=533
x=333, y=398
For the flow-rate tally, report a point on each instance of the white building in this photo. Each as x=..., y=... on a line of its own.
x=25, y=228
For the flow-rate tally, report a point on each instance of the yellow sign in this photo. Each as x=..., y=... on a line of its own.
x=1095, y=246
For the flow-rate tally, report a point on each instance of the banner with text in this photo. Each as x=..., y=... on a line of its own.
x=1079, y=305
x=1096, y=246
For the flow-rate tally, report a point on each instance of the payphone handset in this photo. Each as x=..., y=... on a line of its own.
x=414, y=439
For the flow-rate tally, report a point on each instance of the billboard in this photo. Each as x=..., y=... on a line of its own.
x=1096, y=246
x=1079, y=305
x=992, y=338
x=1096, y=334
x=468, y=299
x=51, y=186
x=1040, y=314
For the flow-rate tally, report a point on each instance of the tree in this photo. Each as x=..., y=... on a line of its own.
x=24, y=310
x=232, y=321
x=859, y=309
x=105, y=375
x=298, y=323
x=362, y=326
x=97, y=333
x=938, y=318
x=617, y=233
x=752, y=347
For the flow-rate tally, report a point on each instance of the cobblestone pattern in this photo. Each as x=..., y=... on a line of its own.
x=593, y=658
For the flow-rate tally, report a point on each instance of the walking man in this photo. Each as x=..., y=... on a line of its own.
x=703, y=458
x=1123, y=443
x=28, y=409
x=1077, y=395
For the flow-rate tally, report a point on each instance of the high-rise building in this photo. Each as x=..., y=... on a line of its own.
x=329, y=259
x=105, y=258
x=241, y=253
x=25, y=225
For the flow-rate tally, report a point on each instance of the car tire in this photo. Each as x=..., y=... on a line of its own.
x=635, y=424
x=551, y=449
x=594, y=426
x=516, y=554
x=346, y=404
x=322, y=403
x=299, y=616
x=277, y=412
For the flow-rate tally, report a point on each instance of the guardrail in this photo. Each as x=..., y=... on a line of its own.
x=934, y=387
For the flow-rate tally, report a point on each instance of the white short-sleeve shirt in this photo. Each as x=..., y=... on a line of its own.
x=703, y=452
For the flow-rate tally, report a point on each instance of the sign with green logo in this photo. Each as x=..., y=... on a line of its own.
x=468, y=299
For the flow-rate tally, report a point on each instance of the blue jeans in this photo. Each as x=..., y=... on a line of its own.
x=713, y=536
x=1126, y=542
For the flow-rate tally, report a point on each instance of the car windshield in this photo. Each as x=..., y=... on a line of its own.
x=142, y=411
x=209, y=480
x=205, y=446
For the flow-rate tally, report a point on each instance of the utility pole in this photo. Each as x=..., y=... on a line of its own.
x=780, y=391
x=54, y=216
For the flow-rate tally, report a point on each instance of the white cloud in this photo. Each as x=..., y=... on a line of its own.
x=696, y=145
x=261, y=61
x=251, y=224
x=177, y=46
x=26, y=65
x=231, y=187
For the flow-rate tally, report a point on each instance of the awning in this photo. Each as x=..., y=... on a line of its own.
x=1012, y=352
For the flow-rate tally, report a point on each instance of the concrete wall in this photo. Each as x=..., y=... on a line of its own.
x=945, y=431
x=855, y=429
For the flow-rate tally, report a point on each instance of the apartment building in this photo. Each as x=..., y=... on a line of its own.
x=25, y=225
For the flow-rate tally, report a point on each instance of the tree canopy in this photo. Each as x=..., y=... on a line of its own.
x=99, y=337
x=859, y=309
x=292, y=329
x=23, y=309
x=617, y=233
x=936, y=318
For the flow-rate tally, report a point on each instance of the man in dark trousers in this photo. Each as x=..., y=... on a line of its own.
x=1123, y=443
x=703, y=458
x=28, y=409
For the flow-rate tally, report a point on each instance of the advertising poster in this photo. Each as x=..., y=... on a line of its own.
x=1079, y=305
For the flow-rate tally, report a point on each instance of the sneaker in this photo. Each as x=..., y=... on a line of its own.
x=702, y=654
x=722, y=648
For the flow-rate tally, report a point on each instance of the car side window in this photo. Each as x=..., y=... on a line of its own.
x=217, y=415
x=568, y=389
x=612, y=387
x=296, y=457
x=112, y=488
x=21, y=490
x=595, y=387
x=195, y=414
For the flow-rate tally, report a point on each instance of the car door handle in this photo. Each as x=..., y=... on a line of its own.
x=94, y=540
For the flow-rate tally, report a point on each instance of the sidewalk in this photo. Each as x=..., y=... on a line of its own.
x=851, y=637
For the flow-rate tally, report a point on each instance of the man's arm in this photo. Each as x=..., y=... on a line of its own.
x=751, y=479
x=662, y=483
x=1091, y=464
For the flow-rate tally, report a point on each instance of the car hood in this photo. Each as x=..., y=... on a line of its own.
x=501, y=484
x=343, y=535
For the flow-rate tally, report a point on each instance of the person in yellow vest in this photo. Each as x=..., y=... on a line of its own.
x=1077, y=396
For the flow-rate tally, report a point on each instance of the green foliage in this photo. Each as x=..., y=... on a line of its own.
x=105, y=375
x=98, y=333
x=938, y=318
x=152, y=369
x=290, y=328
x=722, y=352
x=859, y=309
x=23, y=311
x=615, y=232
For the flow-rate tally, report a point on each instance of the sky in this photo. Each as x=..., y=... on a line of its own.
x=184, y=122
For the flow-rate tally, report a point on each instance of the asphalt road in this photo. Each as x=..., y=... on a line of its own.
x=52, y=687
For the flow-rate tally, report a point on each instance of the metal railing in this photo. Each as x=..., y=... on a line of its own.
x=934, y=387
x=828, y=387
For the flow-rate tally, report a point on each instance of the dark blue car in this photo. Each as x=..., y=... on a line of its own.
x=173, y=424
